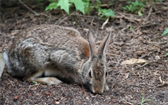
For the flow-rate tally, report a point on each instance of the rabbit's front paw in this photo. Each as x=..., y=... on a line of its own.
x=48, y=80
x=106, y=87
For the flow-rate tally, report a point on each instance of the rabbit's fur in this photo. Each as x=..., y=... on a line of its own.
x=43, y=51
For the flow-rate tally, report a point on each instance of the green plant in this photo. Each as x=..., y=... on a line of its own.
x=134, y=6
x=165, y=32
x=65, y=5
x=144, y=100
x=35, y=82
x=88, y=6
x=84, y=6
x=158, y=0
x=38, y=2
x=105, y=12
x=131, y=28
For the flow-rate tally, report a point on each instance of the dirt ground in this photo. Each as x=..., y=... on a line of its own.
x=133, y=36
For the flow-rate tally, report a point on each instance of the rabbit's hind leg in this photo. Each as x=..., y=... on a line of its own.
x=44, y=80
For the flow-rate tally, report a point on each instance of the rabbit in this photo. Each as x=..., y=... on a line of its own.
x=44, y=53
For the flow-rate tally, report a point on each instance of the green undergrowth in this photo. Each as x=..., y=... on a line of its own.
x=84, y=6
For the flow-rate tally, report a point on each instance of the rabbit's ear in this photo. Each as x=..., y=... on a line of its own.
x=104, y=44
x=91, y=44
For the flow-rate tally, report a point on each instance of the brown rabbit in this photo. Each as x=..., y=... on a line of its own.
x=44, y=52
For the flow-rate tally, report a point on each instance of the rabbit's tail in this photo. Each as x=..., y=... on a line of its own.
x=6, y=58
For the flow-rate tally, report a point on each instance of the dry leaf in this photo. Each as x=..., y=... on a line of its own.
x=133, y=61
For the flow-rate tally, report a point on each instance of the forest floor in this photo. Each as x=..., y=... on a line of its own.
x=133, y=37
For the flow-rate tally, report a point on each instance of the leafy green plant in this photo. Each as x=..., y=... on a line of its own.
x=105, y=12
x=82, y=5
x=38, y=2
x=35, y=82
x=158, y=0
x=165, y=32
x=144, y=100
x=131, y=28
x=135, y=6
x=65, y=5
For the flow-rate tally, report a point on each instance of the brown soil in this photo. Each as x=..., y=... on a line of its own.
x=127, y=83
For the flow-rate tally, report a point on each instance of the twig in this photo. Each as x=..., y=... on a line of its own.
x=62, y=20
x=146, y=64
x=145, y=55
x=140, y=25
x=11, y=83
x=163, y=3
x=128, y=18
x=150, y=11
x=92, y=21
x=28, y=8
x=102, y=27
x=158, y=43
x=163, y=83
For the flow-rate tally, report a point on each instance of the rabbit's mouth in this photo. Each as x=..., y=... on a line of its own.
x=89, y=87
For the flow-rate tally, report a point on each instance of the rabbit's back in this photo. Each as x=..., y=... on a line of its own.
x=34, y=48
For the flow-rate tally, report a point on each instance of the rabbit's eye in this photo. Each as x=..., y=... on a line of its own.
x=90, y=74
x=106, y=73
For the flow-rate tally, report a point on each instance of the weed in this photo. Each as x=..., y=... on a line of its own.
x=35, y=82
x=83, y=6
x=144, y=100
x=131, y=28
x=165, y=32
x=158, y=0
x=136, y=6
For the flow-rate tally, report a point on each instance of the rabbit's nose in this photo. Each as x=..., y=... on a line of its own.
x=97, y=90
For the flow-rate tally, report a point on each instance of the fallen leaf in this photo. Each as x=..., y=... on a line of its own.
x=133, y=61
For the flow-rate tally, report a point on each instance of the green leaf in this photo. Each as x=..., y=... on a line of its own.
x=51, y=6
x=135, y=6
x=139, y=13
x=52, y=1
x=79, y=4
x=165, y=32
x=38, y=2
x=64, y=4
x=98, y=3
x=106, y=12
x=166, y=53
x=35, y=82
x=130, y=28
x=88, y=6
x=144, y=100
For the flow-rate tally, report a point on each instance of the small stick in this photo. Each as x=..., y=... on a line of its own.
x=105, y=23
x=28, y=7
x=163, y=83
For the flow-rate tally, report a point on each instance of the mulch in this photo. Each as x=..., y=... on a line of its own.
x=133, y=36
